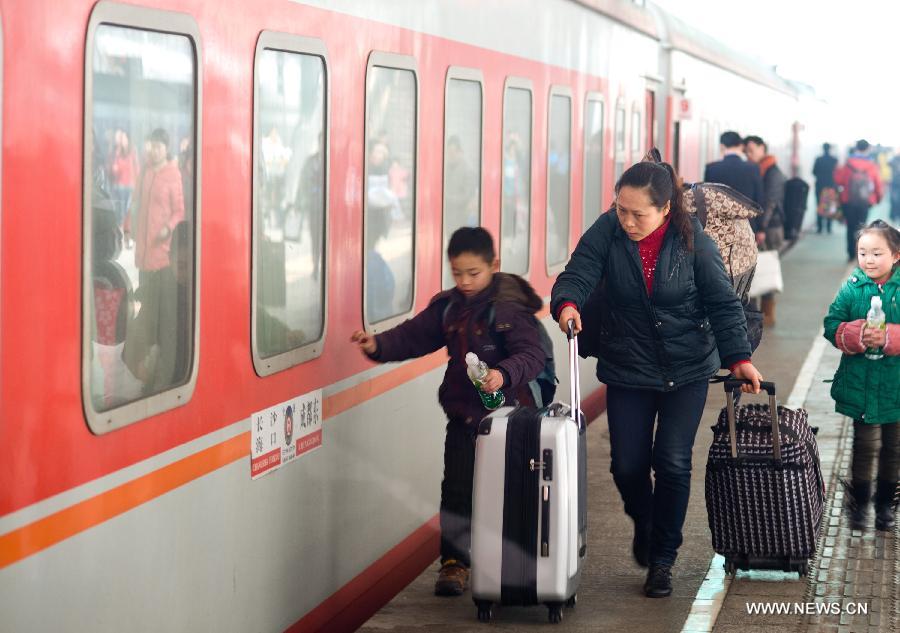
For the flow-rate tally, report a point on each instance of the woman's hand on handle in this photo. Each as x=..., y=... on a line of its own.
x=746, y=371
x=569, y=313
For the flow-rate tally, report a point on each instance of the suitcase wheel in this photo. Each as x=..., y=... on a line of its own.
x=730, y=567
x=572, y=601
x=803, y=570
x=554, y=612
x=484, y=610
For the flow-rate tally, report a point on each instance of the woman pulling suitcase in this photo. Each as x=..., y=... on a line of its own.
x=669, y=321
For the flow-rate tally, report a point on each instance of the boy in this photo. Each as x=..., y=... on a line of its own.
x=491, y=314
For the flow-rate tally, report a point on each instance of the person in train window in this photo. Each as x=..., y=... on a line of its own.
x=460, y=185
x=123, y=172
x=460, y=319
x=869, y=390
x=676, y=322
x=734, y=171
x=768, y=226
x=157, y=344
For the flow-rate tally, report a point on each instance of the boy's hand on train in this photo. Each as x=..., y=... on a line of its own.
x=493, y=382
x=569, y=313
x=746, y=371
x=873, y=337
x=365, y=341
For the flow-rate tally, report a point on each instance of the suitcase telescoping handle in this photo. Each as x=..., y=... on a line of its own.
x=734, y=383
x=574, y=381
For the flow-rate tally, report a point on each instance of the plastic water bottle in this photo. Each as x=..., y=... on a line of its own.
x=875, y=321
x=478, y=372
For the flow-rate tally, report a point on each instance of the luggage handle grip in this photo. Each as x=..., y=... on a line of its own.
x=574, y=380
x=730, y=385
x=733, y=383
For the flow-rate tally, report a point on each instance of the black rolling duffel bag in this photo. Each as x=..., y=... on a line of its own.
x=764, y=486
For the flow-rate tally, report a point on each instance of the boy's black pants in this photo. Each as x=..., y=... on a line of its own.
x=456, y=491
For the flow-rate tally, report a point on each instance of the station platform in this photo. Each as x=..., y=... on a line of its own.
x=855, y=577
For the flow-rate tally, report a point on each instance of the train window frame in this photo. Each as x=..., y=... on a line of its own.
x=525, y=84
x=314, y=47
x=172, y=23
x=637, y=129
x=703, y=148
x=558, y=91
x=620, y=133
x=598, y=98
x=474, y=75
x=392, y=61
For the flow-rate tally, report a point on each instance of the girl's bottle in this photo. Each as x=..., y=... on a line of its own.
x=478, y=371
x=875, y=320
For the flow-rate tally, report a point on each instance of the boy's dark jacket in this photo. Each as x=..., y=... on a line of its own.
x=511, y=345
x=690, y=326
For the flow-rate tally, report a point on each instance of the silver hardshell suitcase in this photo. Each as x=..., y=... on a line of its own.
x=529, y=515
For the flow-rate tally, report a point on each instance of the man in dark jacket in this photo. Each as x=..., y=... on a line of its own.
x=823, y=170
x=769, y=226
x=734, y=171
x=492, y=315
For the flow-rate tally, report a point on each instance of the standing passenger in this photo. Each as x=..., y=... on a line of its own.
x=860, y=187
x=823, y=170
x=460, y=319
x=769, y=226
x=864, y=389
x=734, y=171
x=676, y=321
x=895, y=187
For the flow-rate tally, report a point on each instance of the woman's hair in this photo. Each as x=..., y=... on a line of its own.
x=662, y=185
x=888, y=232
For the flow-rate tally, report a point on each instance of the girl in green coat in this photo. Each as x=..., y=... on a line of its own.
x=869, y=390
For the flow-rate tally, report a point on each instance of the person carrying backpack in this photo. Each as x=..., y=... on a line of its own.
x=860, y=187
x=491, y=314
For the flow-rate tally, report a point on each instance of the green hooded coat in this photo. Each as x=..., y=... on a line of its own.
x=862, y=388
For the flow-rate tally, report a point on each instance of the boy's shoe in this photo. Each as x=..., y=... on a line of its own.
x=659, y=581
x=452, y=579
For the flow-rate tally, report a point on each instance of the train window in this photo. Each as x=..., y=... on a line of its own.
x=289, y=201
x=593, y=159
x=559, y=150
x=515, y=214
x=462, y=155
x=390, y=177
x=637, y=151
x=704, y=147
x=619, y=159
x=141, y=214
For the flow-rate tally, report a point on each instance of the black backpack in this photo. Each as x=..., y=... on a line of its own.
x=796, y=193
x=543, y=387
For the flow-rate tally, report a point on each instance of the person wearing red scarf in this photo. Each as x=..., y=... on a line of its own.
x=769, y=226
x=667, y=320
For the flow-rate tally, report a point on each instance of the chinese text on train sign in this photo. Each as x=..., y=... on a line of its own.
x=284, y=432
